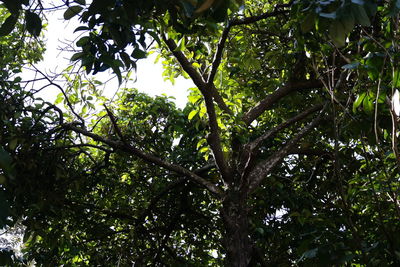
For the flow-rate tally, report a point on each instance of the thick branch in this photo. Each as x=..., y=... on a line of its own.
x=220, y=101
x=147, y=157
x=186, y=65
x=285, y=124
x=114, y=123
x=249, y=151
x=195, y=75
x=271, y=99
x=214, y=138
x=258, y=174
x=218, y=55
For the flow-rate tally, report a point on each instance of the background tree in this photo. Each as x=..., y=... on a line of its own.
x=285, y=154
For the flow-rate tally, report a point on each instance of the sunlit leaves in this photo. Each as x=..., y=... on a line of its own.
x=192, y=114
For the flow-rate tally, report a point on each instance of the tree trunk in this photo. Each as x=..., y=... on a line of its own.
x=237, y=241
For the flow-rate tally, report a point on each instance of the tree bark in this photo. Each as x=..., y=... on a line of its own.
x=237, y=241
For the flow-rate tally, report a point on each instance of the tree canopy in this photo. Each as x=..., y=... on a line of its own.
x=285, y=154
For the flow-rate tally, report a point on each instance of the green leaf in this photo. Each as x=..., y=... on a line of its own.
x=27, y=235
x=4, y=209
x=194, y=98
x=337, y=33
x=81, y=28
x=72, y=11
x=396, y=79
x=181, y=45
x=358, y=101
x=351, y=66
x=138, y=54
x=81, y=2
x=33, y=23
x=13, y=143
x=308, y=23
x=331, y=15
x=126, y=58
x=358, y=2
x=59, y=99
x=5, y=159
x=348, y=22
x=82, y=41
x=5, y=162
x=192, y=114
x=368, y=104
x=117, y=72
x=155, y=36
x=8, y=25
x=360, y=15
x=77, y=56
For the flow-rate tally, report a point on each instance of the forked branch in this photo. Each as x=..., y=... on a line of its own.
x=250, y=150
x=195, y=75
x=261, y=170
x=214, y=138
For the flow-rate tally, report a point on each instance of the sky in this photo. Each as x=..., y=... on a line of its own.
x=149, y=74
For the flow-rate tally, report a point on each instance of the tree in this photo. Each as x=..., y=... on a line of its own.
x=285, y=154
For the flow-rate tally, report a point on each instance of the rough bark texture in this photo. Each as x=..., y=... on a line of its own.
x=237, y=240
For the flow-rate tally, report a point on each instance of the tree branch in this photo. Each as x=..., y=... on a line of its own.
x=285, y=124
x=147, y=157
x=258, y=174
x=114, y=123
x=271, y=99
x=249, y=150
x=185, y=64
x=218, y=55
x=213, y=138
x=51, y=82
x=195, y=75
x=220, y=101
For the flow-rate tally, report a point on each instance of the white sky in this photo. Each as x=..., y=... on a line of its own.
x=149, y=74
